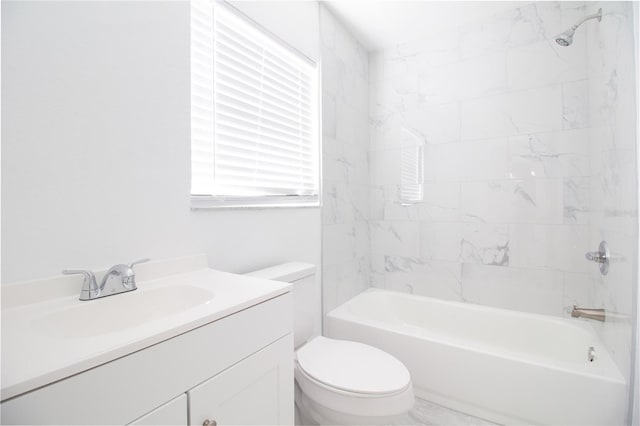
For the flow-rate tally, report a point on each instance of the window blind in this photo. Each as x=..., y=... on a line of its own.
x=254, y=114
x=411, y=167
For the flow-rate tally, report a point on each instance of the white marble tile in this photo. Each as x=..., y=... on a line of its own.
x=330, y=73
x=377, y=263
x=377, y=203
x=338, y=243
x=385, y=130
x=376, y=66
x=481, y=76
x=554, y=154
x=436, y=124
x=385, y=166
x=513, y=201
x=485, y=244
x=615, y=179
x=527, y=111
x=394, y=209
x=443, y=162
x=533, y=22
x=335, y=165
x=537, y=201
x=402, y=74
x=329, y=203
x=357, y=164
x=361, y=98
x=576, y=200
x=441, y=202
x=345, y=208
x=576, y=291
x=439, y=84
x=468, y=160
x=572, y=11
x=526, y=290
x=484, y=37
x=360, y=198
x=345, y=119
x=329, y=115
x=329, y=287
x=362, y=241
x=484, y=159
x=352, y=279
x=396, y=238
x=575, y=105
x=383, y=100
x=441, y=241
x=431, y=51
x=433, y=278
x=546, y=63
x=557, y=247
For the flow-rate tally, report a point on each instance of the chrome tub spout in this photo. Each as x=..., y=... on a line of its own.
x=594, y=314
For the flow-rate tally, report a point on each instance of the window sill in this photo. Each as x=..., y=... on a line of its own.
x=203, y=202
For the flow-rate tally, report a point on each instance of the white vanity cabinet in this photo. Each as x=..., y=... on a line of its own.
x=173, y=412
x=235, y=370
x=255, y=391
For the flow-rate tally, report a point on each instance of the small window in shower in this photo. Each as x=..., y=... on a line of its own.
x=411, y=167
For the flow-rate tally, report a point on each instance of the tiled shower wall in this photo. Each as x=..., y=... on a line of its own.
x=345, y=133
x=529, y=163
x=613, y=190
x=503, y=111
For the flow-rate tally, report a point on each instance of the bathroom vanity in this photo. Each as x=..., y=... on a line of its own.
x=190, y=346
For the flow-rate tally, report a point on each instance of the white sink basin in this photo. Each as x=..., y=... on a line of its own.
x=115, y=313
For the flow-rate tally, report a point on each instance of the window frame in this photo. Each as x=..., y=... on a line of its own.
x=214, y=201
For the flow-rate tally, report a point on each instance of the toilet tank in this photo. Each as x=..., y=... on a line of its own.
x=306, y=296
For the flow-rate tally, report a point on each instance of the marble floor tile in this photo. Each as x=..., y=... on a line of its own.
x=425, y=413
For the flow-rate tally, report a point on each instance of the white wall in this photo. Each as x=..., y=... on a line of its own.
x=95, y=143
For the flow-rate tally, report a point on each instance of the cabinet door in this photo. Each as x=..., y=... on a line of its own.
x=173, y=412
x=256, y=391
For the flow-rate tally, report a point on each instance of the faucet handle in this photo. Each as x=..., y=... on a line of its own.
x=87, y=273
x=129, y=281
x=135, y=262
x=90, y=288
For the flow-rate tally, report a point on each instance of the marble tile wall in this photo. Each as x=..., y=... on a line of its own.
x=345, y=169
x=613, y=214
x=505, y=112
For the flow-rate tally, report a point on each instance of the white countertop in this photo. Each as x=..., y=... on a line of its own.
x=34, y=354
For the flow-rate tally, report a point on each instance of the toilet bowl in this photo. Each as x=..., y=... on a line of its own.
x=344, y=382
x=338, y=382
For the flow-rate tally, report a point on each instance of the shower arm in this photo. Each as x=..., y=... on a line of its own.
x=597, y=16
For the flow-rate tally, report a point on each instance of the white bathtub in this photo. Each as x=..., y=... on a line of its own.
x=504, y=366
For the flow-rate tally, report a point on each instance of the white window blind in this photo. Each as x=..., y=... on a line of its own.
x=254, y=137
x=411, y=167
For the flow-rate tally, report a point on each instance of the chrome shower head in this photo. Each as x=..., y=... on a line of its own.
x=566, y=38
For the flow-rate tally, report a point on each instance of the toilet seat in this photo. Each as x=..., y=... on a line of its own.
x=352, y=367
x=353, y=378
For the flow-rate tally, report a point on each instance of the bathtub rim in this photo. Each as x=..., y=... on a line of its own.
x=610, y=373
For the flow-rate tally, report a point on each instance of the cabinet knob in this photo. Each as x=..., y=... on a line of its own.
x=209, y=423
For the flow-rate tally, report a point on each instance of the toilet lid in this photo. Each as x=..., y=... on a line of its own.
x=352, y=367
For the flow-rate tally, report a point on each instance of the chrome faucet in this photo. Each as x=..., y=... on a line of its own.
x=594, y=314
x=118, y=279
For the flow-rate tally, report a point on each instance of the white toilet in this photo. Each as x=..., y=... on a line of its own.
x=338, y=382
